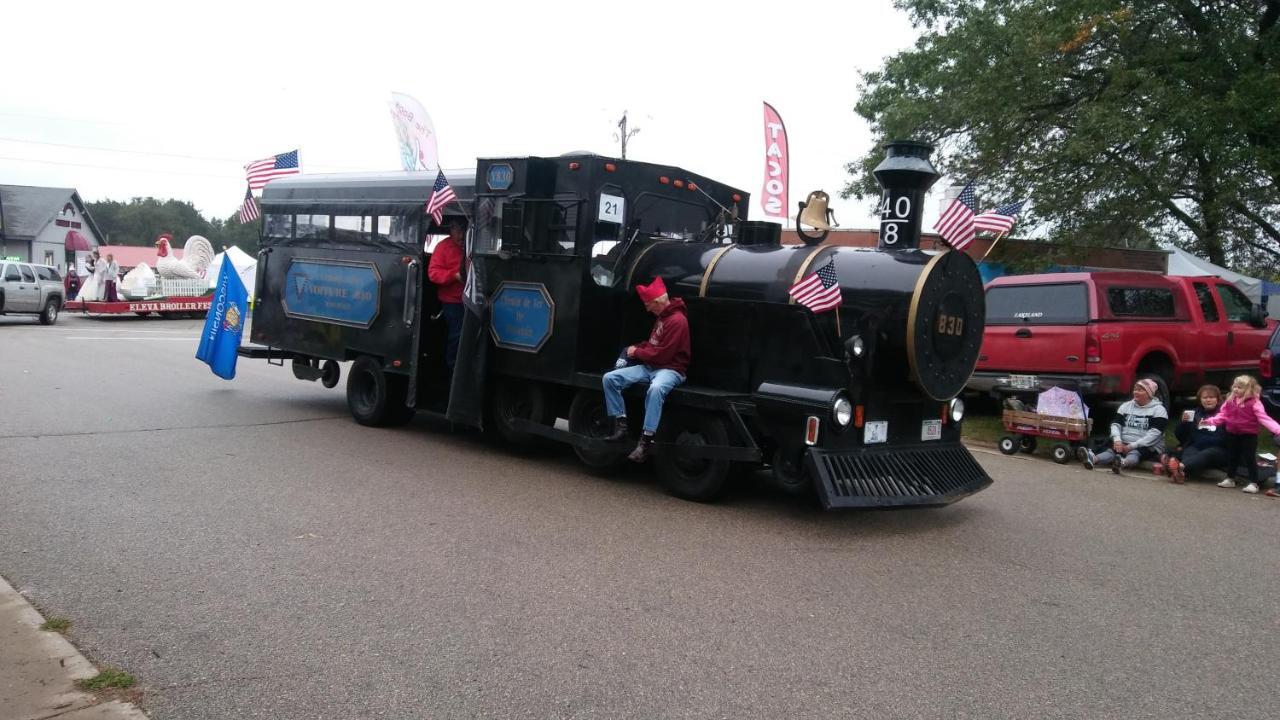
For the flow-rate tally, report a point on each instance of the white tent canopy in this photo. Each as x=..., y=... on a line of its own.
x=245, y=264
x=1183, y=263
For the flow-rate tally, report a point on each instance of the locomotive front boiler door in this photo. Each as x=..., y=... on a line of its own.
x=521, y=317
x=945, y=324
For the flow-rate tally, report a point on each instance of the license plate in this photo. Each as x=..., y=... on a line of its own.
x=876, y=431
x=1024, y=382
x=931, y=430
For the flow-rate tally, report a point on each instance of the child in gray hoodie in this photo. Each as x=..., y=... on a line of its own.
x=1137, y=433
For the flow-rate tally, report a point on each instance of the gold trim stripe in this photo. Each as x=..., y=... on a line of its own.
x=911, y=318
x=631, y=271
x=711, y=266
x=803, y=267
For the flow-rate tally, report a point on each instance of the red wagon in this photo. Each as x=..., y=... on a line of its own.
x=1024, y=427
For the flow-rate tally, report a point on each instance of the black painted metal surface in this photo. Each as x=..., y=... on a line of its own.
x=887, y=477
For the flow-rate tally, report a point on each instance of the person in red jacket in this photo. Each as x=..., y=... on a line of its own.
x=661, y=361
x=445, y=270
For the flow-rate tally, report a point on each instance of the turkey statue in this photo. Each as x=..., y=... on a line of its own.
x=197, y=254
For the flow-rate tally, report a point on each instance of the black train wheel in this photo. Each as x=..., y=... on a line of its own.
x=692, y=478
x=587, y=417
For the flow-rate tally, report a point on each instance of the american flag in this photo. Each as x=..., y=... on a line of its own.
x=441, y=196
x=956, y=224
x=1001, y=219
x=249, y=208
x=820, y=291
x=259, y=172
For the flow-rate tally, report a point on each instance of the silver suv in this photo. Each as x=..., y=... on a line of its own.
x=28, y=288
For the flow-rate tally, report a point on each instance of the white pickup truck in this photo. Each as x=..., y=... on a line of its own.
x=29, y=288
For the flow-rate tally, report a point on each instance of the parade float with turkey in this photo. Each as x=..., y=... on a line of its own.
x=178, y=287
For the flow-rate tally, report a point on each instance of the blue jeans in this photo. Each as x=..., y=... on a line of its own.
x=452, y=313
x=660, y=382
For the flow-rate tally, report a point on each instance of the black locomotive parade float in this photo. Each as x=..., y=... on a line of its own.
x=857, y=405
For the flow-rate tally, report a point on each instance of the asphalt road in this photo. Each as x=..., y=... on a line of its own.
x=249, y=552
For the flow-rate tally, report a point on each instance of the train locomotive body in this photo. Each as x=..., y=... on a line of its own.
x=857, y=404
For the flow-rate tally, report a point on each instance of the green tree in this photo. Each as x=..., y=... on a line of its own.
x=1124, y=123
x=141, y=220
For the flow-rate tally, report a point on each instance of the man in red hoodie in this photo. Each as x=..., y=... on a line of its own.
x=661, y=361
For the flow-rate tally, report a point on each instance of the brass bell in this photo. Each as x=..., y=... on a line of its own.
x=815, y=213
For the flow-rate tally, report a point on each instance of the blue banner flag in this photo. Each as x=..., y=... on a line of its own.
x=224, y=324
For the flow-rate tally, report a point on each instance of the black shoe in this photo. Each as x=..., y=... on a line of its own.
x=1115, y=465
x=643, y=449
x=619, y=430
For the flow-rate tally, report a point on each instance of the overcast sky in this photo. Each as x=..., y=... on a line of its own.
x=236, y=81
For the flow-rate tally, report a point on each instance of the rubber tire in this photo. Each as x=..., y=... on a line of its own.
x=700, y=480
x=1027, y=444
x=516, y=398
x=332, y=374
x=790, y=474
x=1162, y=388
x=1061, y=453
x=49, y=315
x=367, y=392
x=1008, y=444
x=587, y=416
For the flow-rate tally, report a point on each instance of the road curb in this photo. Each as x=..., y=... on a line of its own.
x=38, y=669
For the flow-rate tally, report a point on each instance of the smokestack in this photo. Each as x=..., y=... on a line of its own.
x=905, y=176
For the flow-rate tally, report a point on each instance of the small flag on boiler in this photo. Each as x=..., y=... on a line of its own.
x=249, y=208
x=820, y=291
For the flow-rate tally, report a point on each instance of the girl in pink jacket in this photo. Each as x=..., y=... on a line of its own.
x=1240, y=416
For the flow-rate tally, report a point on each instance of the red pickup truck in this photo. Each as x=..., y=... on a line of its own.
x=1098, y=332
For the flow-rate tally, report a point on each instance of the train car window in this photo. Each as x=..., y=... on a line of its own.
x=278, y=227
x=1063, y=304
x=352, y=228
x=550, y=227
x=606, y=247
x=1235, y=303
x=397, y=228
x=312, y=227
x=1141, y=302
x=670, y=218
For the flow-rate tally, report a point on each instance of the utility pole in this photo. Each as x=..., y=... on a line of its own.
x=623, y=135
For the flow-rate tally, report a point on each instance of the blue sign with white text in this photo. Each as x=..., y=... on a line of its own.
x=500, y=176
x=332, y=291
x=522, y=316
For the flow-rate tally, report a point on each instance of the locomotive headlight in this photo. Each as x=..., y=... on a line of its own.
x=842, y=411
x=957, y=410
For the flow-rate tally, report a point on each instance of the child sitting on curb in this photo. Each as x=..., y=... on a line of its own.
x=1200, y=446
x=1241, y=414
x=1137, y=433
